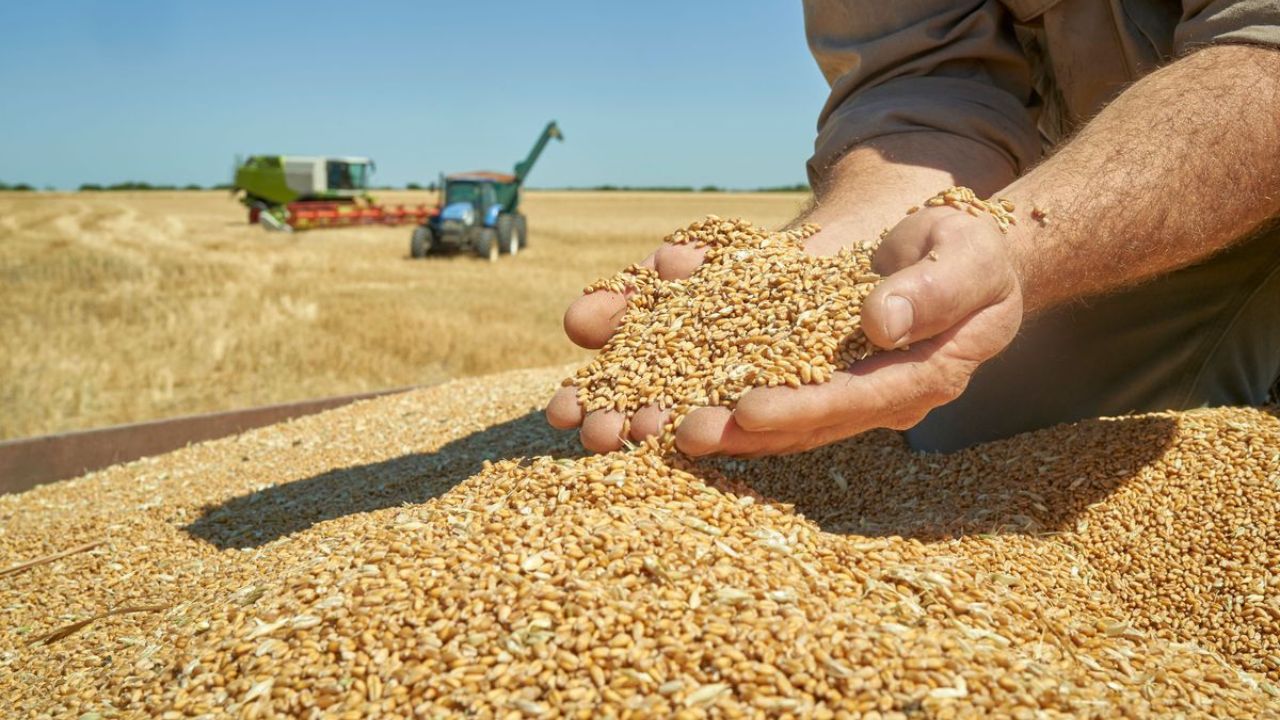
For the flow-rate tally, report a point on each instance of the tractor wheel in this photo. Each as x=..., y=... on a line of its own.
x=507, y=236
x=522, y=230
x=422, y=243
x=489, y=244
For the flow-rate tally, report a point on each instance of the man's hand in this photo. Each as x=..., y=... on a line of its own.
x=952, y=293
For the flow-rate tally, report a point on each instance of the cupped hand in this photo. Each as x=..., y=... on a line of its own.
x=952, y=297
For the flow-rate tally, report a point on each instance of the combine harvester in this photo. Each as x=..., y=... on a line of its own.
x=293, y=192
x=480, y=211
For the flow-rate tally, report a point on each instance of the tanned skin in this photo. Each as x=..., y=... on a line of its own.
x=1183, y=164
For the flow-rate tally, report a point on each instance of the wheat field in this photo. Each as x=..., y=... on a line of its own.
x=120, y=307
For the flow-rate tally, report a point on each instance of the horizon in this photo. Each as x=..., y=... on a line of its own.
x=412, y=186
x=721, y=94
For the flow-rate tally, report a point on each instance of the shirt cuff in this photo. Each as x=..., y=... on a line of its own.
x=971, y=109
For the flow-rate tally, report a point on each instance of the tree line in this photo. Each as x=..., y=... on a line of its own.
x=132, y=185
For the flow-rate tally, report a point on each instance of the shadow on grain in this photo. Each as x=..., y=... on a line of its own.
x=873, y=485
x=260, y=517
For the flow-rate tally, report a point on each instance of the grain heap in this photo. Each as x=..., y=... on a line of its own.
x=369, y=563
x=376, y=562
x=758, y=312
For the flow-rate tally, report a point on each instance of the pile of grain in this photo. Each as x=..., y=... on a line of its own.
x=758, y=312
x=367, y=563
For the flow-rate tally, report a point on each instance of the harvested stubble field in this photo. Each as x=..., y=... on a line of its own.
x=121, y=307
x=373, y=562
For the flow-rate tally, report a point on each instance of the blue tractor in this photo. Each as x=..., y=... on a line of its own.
x=480, y=211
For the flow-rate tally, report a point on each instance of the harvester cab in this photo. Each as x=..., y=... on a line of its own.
x=480, y=211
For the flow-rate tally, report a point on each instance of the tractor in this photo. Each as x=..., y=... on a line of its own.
x=480, y=211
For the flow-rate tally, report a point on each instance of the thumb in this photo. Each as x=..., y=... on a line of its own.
x=932, y=295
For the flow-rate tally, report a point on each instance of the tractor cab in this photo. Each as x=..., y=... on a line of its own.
x=471, y=201
x=471, y=216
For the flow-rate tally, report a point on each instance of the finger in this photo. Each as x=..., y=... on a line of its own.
x=592, y=319
x=674, y=262
x=906, y=243
x=648, y=421
x=813, y=439
x=712, y=430
x=602, y=431
x=872, y=388
x=709, y=431
x=717, y=435
x=563, y=410
x=935, y=293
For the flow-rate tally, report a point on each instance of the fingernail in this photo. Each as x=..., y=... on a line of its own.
x=898, y=316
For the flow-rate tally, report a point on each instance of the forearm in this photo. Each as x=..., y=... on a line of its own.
x=872, y=185
x=1181, y=165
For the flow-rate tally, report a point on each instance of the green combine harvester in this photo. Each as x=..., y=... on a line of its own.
x=480, y=211
x=288, y=192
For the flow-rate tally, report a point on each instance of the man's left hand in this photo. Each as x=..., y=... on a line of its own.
x=952, y=293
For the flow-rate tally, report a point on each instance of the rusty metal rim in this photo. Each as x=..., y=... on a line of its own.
x=28, y=462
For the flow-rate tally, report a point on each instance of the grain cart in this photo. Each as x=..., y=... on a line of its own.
x=480, y=211
x=296, y=192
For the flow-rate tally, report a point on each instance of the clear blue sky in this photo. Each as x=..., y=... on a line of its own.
x=648, y=93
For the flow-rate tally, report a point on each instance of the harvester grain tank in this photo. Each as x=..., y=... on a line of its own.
x=287, y=192
x=480, y=211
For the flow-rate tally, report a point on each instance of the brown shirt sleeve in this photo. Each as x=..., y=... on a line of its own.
x=1206, y=22
x=920, y=65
